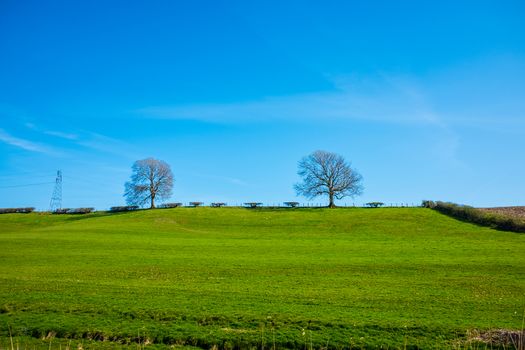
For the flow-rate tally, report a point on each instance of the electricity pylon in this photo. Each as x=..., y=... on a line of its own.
x=56, y=198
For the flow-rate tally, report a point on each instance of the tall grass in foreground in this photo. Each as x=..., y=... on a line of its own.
x=473, y=340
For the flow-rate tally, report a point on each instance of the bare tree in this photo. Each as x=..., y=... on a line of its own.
x=326, y=173
x=150, y=179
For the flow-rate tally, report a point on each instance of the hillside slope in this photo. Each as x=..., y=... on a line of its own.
x=236, y=277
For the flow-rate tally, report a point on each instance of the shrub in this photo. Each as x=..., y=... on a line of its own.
x=124, y=208
x=81, y=210
x=375, y=204
x=252, y=204
x=196, y=204
x=74, y=211
x=291, y=204
x=218, y=204
x=170, y=205
x=470, y=214
x=16, y=210
x=428, y=204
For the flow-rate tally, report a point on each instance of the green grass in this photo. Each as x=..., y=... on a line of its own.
x=240, y=278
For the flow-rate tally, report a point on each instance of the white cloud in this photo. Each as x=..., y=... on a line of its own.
x=387, y=103
x=236, y=181
x=220, y=178
x=106, y=144
x=386, y=100
x=24, y=144
x=88, y=139
x=63, y=135
x=484, y=93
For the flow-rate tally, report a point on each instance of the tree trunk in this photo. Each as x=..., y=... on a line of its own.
x=152, y=190
x=152, y=202
x=331, y=204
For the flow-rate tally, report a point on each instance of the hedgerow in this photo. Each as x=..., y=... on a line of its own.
x=170, y=205
x=124, y=208
x=16, y=210
x=476, y=216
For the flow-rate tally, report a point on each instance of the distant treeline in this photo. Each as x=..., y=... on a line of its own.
x=58, y=211
x=124, y=208
x=199, y=204
x=476, y=216
x=74, y=211
x=16, y=210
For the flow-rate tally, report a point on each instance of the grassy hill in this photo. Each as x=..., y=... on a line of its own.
x=233, y=277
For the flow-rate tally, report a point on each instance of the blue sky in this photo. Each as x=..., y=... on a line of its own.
x=426, y=99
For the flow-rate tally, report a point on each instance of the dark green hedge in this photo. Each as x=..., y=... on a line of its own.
x=16, y=210
x=124, y=208
x=476, y=216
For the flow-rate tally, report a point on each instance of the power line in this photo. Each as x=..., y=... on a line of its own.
x=25, y=178
x=88, y=181
x=27, y=173
x=37, y=184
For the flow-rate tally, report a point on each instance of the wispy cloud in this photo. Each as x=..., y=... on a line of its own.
x=484, y=93
x=63, y=135
x=87, y=139
x=384, y=100
x=236, y=181
x=60, y=134
x=220, y=178
x=24, y=144
x=106, y=144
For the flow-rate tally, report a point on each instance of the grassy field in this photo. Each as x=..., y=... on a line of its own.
x=264, y=278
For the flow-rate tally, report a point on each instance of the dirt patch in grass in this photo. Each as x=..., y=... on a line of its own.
x=514, y=212
x=499, y=337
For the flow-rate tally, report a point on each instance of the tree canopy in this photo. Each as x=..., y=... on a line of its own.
x=327, y=174
x=150, y=179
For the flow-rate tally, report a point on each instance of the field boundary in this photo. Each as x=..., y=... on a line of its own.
x=476, y=216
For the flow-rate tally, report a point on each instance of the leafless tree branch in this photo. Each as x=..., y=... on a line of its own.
x=151, y=179
x=326, y=173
